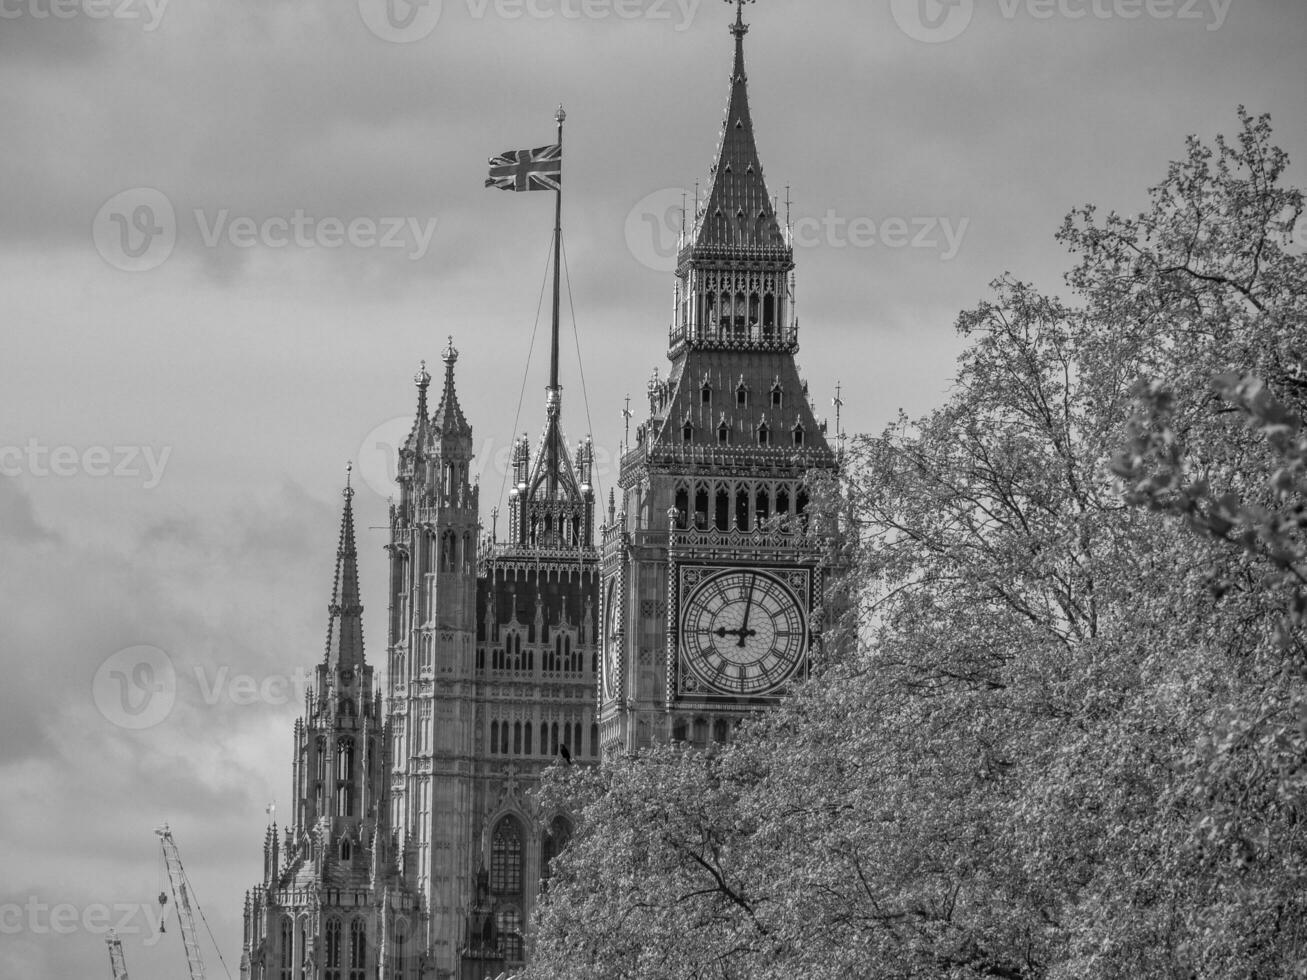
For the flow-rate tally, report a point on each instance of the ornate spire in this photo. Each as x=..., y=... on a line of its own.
x=448, y=416
x=738, y=213
x=417, y=434
x=345, y=627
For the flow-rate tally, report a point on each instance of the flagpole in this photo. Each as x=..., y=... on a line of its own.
x=558, y=241
x=555, y=395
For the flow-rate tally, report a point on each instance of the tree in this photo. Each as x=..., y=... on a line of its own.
x=1071, y=743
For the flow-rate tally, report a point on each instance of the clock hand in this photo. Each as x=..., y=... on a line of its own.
x=748, y=605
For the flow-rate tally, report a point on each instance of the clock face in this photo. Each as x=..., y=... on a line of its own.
x=743, y=632
x=612, y=624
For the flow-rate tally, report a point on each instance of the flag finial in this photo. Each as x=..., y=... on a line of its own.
x=740, y=28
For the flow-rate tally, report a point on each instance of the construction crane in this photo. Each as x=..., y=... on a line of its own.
x=116, y=960
x=182, y=893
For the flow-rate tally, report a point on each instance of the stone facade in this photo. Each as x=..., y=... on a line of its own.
x=415, y=850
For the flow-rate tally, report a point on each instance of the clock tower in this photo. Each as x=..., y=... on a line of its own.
x=713, y=573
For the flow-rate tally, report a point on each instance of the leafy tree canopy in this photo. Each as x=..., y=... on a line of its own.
x=1071, y=738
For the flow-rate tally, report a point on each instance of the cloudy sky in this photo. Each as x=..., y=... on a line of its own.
x=229, y=230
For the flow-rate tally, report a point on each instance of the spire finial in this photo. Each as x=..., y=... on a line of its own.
x=349, y=476
x=422, y=378
x=560, y=116
x=739, y=28
x=450, y=354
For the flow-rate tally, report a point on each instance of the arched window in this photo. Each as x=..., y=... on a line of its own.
x=494, y=738
x=506, y=858
x=678, y=731
x=701, y=507
x=344, y=758
x=798, y=433
x=777, y=395
x=721, y=731
x=741, y=393
x=705, y=394
x=510, y=933
x=333, y=961
x=682, y=507
x=723, y=516
x=764, y=434
x=517, y=738
x=526, y=745
x=556, y=838
x=723, y=432
x=358, y=951
x=687, y=432
x=287, y=958
x=594, y=739
x=700, y=731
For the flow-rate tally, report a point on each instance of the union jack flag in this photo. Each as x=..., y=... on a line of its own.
x=540, y=169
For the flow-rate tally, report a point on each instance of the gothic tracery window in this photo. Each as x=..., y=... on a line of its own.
x=510, y=933
x=358, y=951
x=506, y=858
x=333, y=962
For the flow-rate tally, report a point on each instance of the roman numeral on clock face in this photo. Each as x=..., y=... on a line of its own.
x=743, y=631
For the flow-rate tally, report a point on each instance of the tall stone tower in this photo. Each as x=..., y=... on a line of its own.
x=434, y=690
x=493, y=656
x=713, y=576
x=333, y=903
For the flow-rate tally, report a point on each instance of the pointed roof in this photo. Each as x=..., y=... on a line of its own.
x=448, y=418
x=417, y=435
x=553, y=468
x=345, y=626
x=738, y=214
